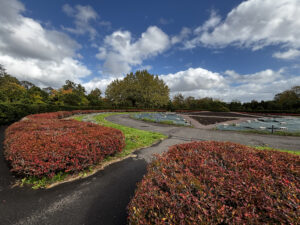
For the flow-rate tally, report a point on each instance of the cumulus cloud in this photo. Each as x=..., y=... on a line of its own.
x=83, y=16
x=193, y=79
x=45, y=73
x=253, y=24
x=100, y=83
x=289, y=54
x=29, y=51
x=199, y=82
x=120, y=53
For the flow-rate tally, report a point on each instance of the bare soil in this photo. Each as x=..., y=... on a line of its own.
x=211, y=120
x=220, y=114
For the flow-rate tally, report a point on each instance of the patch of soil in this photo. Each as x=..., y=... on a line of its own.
x=210, y=120
x=221, y=114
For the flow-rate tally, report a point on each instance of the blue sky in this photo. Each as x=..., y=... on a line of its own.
x=231, y=50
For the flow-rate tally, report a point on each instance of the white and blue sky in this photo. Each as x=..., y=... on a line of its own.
x=231, y=50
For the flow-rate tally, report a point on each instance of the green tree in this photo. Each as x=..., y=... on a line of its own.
x=289, y=99
x=10, y=89
x=70, y=94
x=94, y=97
x=140, y=89
x=179, y=101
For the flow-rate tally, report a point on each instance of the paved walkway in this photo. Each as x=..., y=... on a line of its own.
x=103, y=197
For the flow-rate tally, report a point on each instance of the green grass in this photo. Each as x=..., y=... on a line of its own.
x=281, y=150
x=134, y=139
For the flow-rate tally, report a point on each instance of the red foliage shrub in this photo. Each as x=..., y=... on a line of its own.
x=218, y=183
x=43, y=145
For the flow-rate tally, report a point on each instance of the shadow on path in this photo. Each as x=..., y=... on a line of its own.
x=6, y=178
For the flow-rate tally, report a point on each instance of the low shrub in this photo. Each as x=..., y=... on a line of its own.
x=218, y=183
x=44, y=144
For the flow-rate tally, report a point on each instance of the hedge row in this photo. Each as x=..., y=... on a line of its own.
x=44, y=144
x=218, y=183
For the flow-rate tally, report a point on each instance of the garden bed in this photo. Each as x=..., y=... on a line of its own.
x=44, y=145
x=218, y=183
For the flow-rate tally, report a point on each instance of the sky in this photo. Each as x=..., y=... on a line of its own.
x=229, y=50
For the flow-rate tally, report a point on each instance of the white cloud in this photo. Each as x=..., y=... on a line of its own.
x=211, y=23
x=289, y=54
x=193, y=79
x=45, y=73
x=199, y=82
x=100, y=83
x=262, y=77
x=184, y=34
x=120, y=53
x=29, y=51
x=254, y=24
x=83, y=16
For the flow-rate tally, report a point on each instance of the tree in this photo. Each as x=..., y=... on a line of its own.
x=36, y=95
x=289, y=99
x=27, y=84
x=10, y=89
x=2, y=71
x=94, y=97
x=178, y=101
x=71, y=94
x=141, y=89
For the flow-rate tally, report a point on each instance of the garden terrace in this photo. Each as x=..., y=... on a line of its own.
x=218, y=183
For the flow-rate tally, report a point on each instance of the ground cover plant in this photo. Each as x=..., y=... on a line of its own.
x=218, y=183
x=44, y=145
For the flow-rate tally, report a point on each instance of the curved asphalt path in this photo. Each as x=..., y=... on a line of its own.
x=103, y=197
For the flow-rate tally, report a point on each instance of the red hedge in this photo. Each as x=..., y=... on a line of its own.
x=218, y=183
x=43, y=144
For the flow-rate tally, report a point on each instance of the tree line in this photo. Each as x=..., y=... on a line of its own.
x=137, y=90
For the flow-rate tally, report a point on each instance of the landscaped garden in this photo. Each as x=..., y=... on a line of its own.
x=46, y=148
x=218, y=183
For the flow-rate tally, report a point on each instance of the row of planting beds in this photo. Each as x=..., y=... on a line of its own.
x=218, y=183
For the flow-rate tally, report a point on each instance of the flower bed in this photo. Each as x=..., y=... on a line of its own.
x=218, y=183
x=44, y=144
